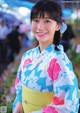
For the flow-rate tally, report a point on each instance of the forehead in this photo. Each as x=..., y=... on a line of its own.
x=43, y=15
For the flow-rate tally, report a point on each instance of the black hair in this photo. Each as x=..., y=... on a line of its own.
x=54, y=11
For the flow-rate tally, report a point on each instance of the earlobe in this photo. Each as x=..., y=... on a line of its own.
x=58, y=27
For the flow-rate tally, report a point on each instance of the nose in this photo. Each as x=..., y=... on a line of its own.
x=40, y=25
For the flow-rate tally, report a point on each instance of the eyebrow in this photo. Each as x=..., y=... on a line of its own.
x=47, y=17
x=43, y=17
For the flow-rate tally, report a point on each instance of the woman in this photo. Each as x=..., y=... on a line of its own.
x=46, y=82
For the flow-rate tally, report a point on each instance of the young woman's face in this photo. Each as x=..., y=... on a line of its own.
x=44, y=29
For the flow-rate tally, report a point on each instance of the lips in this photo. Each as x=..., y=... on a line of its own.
x=40, y=34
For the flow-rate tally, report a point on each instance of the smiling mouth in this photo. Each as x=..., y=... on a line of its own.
x=41, y=34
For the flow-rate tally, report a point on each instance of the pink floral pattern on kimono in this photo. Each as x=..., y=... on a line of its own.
x=49, y=109
x=58, y=100
x=17, y=80
x=27, y=61
x=54, y=69
x=49, y=71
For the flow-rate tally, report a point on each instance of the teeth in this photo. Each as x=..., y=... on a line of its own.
x=41, y=33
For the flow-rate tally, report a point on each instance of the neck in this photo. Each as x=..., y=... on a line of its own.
x=43, y=46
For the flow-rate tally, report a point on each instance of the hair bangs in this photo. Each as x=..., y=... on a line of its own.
x=40, y=13
x=52, y=9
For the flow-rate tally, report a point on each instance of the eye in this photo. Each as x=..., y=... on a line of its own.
x=47, y=21
x=35, y=20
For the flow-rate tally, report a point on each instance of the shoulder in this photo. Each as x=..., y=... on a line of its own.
x=62, y=63
x=62, y=57
x=27, y=56
x=30, y=53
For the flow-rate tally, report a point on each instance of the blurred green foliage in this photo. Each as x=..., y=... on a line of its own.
x=75, y=58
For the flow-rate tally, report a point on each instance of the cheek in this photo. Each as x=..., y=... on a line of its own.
x=53, y=29
x=33, y=28
x=52, y=32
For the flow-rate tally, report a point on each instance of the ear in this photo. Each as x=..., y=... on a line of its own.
x=58, y=27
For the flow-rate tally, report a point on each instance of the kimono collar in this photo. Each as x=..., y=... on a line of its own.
x=50, y=48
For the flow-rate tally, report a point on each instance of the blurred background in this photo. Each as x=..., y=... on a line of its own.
x=16, y=38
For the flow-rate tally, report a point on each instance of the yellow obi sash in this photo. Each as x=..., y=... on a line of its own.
x=79, y=93
x=34, y=100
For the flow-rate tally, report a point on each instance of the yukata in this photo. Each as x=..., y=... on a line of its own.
x=49, y=71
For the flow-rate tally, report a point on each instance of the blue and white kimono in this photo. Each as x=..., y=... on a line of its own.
x=49, y=71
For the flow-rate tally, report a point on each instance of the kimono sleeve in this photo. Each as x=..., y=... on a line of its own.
x=65, y=87
x=18, y=87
